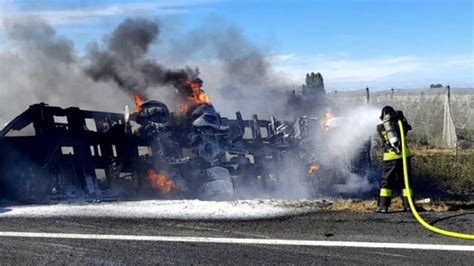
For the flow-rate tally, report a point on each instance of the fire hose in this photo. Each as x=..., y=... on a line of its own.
x=410, y=200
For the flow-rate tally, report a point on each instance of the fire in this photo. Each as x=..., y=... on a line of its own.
x=194, y=96
x=198, y=96
x=161, y=181
x=138, y=102
x=182, y=108
x=313, y=168
x=324, y=121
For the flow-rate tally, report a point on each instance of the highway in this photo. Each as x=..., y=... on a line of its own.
x=319, y=237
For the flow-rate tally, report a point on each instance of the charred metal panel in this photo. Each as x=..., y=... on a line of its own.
x=62, y=157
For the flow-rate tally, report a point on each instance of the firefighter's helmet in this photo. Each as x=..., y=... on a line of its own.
x=386, y=110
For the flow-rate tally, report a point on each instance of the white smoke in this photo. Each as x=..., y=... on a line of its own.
x=343, y=146
x=335, y=152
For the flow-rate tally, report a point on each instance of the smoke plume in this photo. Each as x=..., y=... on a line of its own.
x=37, y=65
x=40, y=66
x=239, y=75
x=125, y=59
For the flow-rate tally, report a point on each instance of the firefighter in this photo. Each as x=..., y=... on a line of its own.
x=392, y=167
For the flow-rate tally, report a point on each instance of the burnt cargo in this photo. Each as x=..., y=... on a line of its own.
x=54, y=153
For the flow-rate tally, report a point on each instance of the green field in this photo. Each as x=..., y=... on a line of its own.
x=445, y=170
x=441, y=173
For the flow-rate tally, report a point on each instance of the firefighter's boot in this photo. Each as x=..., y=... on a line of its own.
x=385, y=198
x=383, y=204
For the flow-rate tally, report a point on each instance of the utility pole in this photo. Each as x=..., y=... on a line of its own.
x=367, y=95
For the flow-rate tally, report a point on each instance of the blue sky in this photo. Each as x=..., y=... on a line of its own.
x=394, y=43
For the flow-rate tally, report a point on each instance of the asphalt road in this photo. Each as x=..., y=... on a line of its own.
x=323, y=225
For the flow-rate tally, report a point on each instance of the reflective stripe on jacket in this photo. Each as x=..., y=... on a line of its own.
x=392, y=155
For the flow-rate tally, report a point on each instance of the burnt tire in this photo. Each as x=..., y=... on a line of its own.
x=217, y=185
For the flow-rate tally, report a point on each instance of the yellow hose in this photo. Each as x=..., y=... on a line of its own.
x=410, y=200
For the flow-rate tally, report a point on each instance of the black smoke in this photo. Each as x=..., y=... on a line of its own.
x=124, y=59
x=39, y=65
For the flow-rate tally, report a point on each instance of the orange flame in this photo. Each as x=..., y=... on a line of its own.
x=313, y=169
x=324, y=122
x=198, y=96
x=138, y=102
x=195, y=97
x=182, y=108
x=161, y=181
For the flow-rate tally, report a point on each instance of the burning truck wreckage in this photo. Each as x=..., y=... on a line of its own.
x=51, y=153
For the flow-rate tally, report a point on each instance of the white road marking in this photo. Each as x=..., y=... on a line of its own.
x=250, y=241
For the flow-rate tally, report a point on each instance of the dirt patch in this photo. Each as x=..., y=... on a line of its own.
x=370, y=205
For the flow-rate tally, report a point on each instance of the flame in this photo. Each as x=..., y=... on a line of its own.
x=198, y=96
x=182, y=108
x=313, y=169
x=194, y=96
x=324, y=121
x=138, y=102
x=161, y=181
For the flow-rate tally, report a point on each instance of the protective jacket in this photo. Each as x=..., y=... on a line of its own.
x=389, y=132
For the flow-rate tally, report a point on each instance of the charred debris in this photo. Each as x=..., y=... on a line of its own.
x=52, y=153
